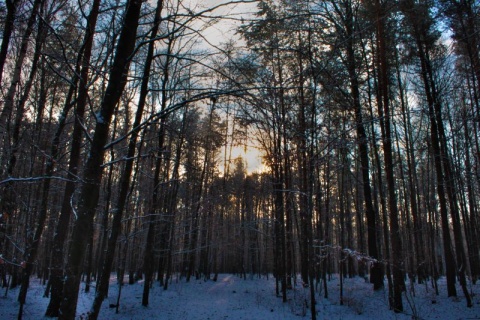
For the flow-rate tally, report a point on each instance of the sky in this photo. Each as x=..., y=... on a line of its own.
x=252, y=157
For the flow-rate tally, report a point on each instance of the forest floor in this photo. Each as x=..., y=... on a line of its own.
x=232, y=297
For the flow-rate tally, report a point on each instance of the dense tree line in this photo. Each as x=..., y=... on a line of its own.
x=119, y=120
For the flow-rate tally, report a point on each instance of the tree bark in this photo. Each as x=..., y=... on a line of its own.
x=93, y=170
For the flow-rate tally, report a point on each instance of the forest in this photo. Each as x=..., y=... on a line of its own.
x=130, y=129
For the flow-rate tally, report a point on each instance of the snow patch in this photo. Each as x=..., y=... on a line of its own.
x=231, y=297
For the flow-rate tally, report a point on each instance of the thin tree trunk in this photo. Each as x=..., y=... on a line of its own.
x=126, y=174
x=148, y=254
x=384, y=102
x=19, y=64
x=32, y=247
x=414, y=21
x=376, y=271
x=61, y=231
x=472, y=204
x=8, y=28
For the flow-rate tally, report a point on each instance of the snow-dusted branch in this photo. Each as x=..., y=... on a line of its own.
x=73, y=208
x=4, y=260
x=15, y=244
x=33, y=179
x=359, y=256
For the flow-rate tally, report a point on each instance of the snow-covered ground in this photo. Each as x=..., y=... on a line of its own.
x=231, y=297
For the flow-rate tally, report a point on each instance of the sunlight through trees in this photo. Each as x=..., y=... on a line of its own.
x=191, y=138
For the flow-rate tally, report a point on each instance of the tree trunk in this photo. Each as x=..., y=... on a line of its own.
x=376, y=271
x=384, y=102
x=102, y=286
x=12, y=6
x=93, y=170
